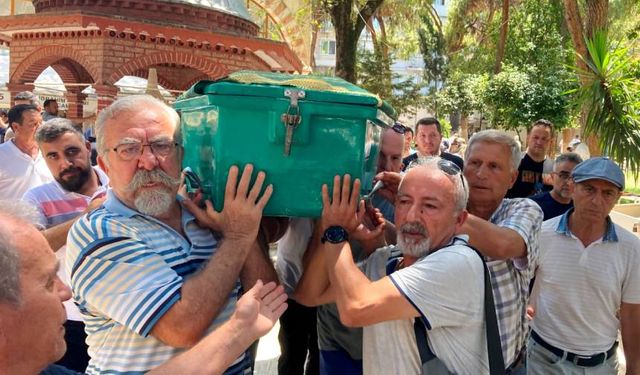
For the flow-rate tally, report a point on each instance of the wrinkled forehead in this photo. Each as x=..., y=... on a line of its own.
x=426, y=181
x=144, y=124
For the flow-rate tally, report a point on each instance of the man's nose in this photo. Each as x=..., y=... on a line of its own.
x=147, y=159
x=64, y=292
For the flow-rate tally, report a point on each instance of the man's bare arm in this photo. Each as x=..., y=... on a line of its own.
x=492, y=240
x=256, y=313
x=204, y=294
x=57, y=235
x=258, y=266
x=313, y=287
x=630, y=330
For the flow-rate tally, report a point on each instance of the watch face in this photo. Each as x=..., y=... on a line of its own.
x=335, y=234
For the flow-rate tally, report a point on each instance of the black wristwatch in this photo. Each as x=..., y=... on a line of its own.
x=335, y=234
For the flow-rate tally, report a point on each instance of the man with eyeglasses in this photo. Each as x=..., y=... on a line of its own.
x=587, y=282
x=558, y=201
x=22, y=165
x=431, y=278
x=78, y=188
x=152, y=276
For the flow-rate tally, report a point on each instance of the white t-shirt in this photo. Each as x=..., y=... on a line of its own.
x=447, y=287
x=578, y=290
x=291, y=249
x=19, y=172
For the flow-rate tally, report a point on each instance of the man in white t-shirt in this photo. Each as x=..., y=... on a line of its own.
x=78, y=188
x=587, y=282
x=22, y=165
x=438, y=279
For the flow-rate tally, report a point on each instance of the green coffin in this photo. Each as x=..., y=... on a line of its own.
x=300, y=130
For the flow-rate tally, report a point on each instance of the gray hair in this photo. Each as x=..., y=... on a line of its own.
x=131, y=103
x=53, y=129
x=568, y=156
x=20, y=212
x=460, y=191
x=499, y=137
x=28, y=95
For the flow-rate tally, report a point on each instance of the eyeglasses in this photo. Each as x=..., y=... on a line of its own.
x=399, y=128
x=130, y=151
x=563, y=175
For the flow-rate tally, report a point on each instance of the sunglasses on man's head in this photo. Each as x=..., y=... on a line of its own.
x=399, y=128
x=444, y=165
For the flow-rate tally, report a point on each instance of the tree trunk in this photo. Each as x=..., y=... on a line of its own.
x=348, y=27
x=383, y=37
x=597, y=19
x=346, y=46
x=502, y=43
x=314, y=40
x=574, y=25
x=464, y=126
x=597, y=16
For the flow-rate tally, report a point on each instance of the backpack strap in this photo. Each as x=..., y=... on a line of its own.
x=494, y=346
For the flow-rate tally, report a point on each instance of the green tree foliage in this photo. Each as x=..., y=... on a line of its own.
x=432, y=47
x=534, y=76
x=611, y=93
x=463, y=93
x=375, y=75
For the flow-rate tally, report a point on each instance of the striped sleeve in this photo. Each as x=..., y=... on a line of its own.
x=118, y=275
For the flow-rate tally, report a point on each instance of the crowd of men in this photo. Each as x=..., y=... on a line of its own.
x=449, y=268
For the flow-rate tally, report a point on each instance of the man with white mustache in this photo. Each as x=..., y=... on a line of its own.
x=151, y=272
x=437, y=281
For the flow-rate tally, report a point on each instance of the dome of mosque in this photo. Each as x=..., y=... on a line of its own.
x=234, y=7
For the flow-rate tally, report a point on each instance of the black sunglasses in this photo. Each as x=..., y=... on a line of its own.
x=399, y=128
x=444, y=165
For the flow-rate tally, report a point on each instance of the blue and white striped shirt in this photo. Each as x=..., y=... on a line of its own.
x=127, y=270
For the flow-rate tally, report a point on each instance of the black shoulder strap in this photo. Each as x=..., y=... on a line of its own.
x=494, y=347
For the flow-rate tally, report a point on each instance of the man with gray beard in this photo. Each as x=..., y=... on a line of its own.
x=431, y=277
x=154, y=272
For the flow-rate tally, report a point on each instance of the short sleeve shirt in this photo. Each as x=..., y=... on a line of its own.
x=510, y=278
x=447, y=288
x=127, y=271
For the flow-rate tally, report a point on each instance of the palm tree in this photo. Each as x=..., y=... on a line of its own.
x=610, y=92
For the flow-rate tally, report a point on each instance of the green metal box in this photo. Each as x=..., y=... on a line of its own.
x=300, y=130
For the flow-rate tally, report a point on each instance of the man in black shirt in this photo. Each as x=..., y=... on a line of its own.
x=428, y=139
x=557, y=201
x=535, y=168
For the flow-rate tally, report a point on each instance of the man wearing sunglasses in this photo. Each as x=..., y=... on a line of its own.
x=152, y=277
x=558, y=201
x=78, y=188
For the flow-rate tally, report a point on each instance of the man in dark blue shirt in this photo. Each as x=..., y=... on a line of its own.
x=428, y=140
x=557, y=201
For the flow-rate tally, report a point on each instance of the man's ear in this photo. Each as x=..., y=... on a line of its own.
x=102, y=163
x=514, y=177
x=462, y=217
x=87, y=144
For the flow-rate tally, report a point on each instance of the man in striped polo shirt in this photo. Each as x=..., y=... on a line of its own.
x=148, y=277
x=78, y=188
